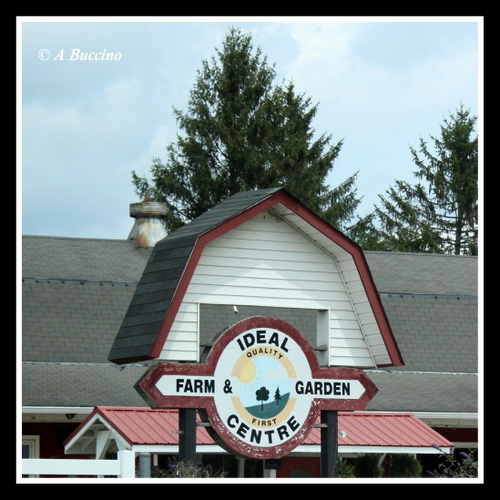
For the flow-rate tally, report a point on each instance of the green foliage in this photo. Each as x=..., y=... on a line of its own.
x=441, y=214
x=368, y=466
x=345, y=469
x=241, y=132
x=186, y=470
x=404, y=465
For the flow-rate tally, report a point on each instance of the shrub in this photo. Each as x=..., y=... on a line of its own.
x=467, y=466
x=405, y=466
x=368, y=466
x=345, y=469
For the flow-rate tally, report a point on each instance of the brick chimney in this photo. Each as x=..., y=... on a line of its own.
x=148, y=228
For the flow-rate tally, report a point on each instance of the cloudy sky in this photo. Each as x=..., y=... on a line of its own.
x=381, y=84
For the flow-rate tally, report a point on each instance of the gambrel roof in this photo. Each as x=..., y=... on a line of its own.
x=174, y=259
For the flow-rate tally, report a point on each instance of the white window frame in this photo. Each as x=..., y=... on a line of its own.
x=33, y=444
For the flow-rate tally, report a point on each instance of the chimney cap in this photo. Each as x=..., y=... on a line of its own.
x=148, y=209
x=148, y=228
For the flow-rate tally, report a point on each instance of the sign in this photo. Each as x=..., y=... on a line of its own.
x=261, y=388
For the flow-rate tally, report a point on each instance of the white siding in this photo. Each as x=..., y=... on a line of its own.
x=182, y=340
x=267, y=262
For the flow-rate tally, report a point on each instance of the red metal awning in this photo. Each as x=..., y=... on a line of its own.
x=357, y=430
x=382, y=429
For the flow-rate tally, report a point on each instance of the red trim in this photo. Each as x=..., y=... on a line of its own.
x=378, y=309
x=294, y=205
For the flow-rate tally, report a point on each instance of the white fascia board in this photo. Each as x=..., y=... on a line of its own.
x=303, y=449
x=454, y=419
x=55, y=413
x=174, y=449
x=355, y=450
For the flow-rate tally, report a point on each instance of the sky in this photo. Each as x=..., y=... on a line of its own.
x=84, y=126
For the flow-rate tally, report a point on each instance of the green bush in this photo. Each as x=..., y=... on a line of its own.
x=368, y=466
x=345, y=469
x=405, y=466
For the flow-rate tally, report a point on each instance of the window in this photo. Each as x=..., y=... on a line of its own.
x=30, y=448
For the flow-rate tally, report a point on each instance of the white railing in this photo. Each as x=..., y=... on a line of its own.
x=123, y=467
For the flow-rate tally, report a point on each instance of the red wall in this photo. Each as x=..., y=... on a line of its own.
x=458, y=434
x=52, y=436
x=300, y=467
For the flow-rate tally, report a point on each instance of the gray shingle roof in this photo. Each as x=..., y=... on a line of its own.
x=423, y=273
x=71, y=321
x=101, y=384
x=424, y=392
x=74, y=293
x=72, y=316
x=80, y=384
x=82, y=259
x=435, y=334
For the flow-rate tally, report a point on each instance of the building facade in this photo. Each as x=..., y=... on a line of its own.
x=98, y=313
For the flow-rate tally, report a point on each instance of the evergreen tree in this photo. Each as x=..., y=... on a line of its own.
x=277, y=396
x=242, y=133
x=441, y=214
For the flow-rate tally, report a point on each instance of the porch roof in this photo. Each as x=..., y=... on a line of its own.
x=156, y=431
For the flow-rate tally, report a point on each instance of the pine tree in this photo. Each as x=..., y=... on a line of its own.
x=441, y=214
x=277, y=396
x=241, y=132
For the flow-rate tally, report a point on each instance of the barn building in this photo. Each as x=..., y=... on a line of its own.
x=98, y=313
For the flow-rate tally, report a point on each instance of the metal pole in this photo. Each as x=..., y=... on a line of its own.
x=241, y=467
x=329, y=443
x=144, y=464
x=187, y=435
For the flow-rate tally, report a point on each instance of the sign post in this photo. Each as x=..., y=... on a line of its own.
x=187, y=435
x=329, y=443
x=262, y=390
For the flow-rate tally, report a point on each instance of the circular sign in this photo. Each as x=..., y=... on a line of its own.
x=256, y=411
x=260, y=388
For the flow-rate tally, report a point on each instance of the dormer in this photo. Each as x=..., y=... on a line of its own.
x=257, y=253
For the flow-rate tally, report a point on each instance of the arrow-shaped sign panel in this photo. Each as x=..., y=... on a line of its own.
x=261, y=387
